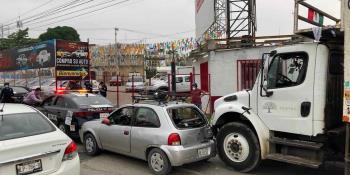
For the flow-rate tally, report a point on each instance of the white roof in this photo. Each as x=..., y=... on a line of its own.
x=11, y=108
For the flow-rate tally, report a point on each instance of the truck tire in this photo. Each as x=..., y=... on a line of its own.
x=238, y=147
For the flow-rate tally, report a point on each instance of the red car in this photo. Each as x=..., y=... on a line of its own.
x=115, y=82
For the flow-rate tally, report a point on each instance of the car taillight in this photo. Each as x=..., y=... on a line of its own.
x=174, y=139
x=82, y=114
x=71, y=152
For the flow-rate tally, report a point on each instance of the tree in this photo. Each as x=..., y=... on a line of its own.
x=17, y=39
x=64, y=32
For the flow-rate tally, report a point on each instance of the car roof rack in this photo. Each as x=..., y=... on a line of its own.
x=161, y=98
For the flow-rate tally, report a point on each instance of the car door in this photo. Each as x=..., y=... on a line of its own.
x=145, y=131
x=45, y=108
x=290, y=79
x=116, y=137
x=180, y=84
x=61, y=107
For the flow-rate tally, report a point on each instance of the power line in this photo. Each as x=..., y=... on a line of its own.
x=82, y=14
x=35, y=8
x=47, y=12
x=56, y=12
x=89, y=7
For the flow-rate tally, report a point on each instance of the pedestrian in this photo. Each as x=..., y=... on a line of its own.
x=33, y=98
x=88, y=86
x=7, y=94
x=103, y=89
x=196, y=95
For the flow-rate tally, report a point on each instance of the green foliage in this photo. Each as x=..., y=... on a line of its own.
x=17, y=39
x=150, y=72
x=64, y=33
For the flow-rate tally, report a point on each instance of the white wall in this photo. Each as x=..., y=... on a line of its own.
x=223, y=68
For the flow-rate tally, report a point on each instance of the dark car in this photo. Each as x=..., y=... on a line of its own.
x=19, y=93
x=70, y=111
x=115, y=81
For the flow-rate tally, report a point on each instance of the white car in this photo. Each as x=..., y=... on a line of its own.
x=31, y=143
x=80, y=53
x=137, y=84
x=43, y=56
x=183, y=84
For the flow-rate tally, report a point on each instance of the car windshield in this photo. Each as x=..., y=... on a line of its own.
x=19, y=90
x=14, y=126
x=187, y=117
x=91, y=100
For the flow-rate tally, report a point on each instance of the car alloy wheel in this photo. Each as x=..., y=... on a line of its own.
x=236, y=147
x=157, y=162
x=89, y=145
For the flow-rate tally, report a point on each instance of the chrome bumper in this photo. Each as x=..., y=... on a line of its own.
x=179, y=155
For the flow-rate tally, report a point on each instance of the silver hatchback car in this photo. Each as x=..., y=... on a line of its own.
x=164, y=135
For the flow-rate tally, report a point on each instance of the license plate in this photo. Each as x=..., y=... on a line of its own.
x=104, y=115
x=203, y=152
x=72, y=128
x=29, y=167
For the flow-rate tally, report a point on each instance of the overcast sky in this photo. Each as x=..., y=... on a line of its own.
x=147, y=20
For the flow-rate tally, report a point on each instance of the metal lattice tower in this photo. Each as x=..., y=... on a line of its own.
x=233, y=18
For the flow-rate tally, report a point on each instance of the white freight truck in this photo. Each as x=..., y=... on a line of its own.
x=294, y=111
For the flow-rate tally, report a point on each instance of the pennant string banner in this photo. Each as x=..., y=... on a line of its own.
x=182, y=46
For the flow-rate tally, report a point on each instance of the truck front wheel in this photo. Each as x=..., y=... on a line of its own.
x=238, y=147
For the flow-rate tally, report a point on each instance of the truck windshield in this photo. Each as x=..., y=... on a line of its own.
x=187, y=117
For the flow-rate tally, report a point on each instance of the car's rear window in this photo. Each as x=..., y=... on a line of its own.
x=91, y=100
x=14, y=126
x=187, y=117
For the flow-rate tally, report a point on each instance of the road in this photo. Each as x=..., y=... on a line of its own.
x=108, y=163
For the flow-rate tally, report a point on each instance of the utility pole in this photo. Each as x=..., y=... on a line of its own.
x=116, y=49
x=346, y=27
x=173, y=72
x=2, y=30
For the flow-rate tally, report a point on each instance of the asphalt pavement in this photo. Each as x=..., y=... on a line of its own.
x=108, y=163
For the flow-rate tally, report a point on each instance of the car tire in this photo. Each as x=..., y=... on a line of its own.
x=90, y=145
x=238, y=147
x=158, y=162
x=62, y=127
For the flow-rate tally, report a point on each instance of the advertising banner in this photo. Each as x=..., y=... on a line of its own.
x=72, y=60
x=40, y=55
x=205, y=16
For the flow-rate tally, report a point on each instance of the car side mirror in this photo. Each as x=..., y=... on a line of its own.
x=106, y=121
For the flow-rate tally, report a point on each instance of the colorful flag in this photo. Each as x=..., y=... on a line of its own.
x=315, y=17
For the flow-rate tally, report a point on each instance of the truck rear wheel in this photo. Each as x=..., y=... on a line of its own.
x=238, y=147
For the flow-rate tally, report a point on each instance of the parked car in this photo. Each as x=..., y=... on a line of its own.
x=183, y=84
x=135, y=84
x=164, y=135
x=30, y=143
x=71, y=110
x=115, y=81
x=19, y=93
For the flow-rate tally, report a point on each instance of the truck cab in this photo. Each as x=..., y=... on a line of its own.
x=292, y=114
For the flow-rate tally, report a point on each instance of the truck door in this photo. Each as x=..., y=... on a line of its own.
x=290, y=79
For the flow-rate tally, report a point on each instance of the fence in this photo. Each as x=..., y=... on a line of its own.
x=124, y=90
x=247, y=71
